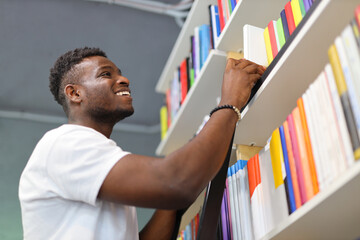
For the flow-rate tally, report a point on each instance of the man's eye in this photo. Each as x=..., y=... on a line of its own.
x=106, y=74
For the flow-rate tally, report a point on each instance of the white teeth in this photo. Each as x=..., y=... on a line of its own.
x=123, y=93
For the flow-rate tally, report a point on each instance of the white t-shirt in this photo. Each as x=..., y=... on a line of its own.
x=59, y=187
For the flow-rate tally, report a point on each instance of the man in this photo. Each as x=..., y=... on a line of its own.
x=79, y=185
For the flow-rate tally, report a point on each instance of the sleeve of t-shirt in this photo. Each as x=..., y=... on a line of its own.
x=79, y=161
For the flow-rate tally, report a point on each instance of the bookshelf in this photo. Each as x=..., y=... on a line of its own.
x=333, y=213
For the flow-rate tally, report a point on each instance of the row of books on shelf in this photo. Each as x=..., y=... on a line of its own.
x=202, y=41
x=316, y=143
x=278, y=31
x=191, y=230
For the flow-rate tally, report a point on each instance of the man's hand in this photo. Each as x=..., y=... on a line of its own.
x=240, y=77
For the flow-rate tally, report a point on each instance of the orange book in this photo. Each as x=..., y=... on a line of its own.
x=309, y=151
x=303, y=153
x=292, y=165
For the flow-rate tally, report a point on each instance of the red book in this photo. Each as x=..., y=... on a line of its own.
x=299, y=169
x=221, y=15
x=357, y=15
x=289, y=17
x=251, y=166
x=273, y=43
x=168, y=105
x=183, y=80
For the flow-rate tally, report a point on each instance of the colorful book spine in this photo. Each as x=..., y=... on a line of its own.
x=268, y=45
x=290, y=17
x=288, y=180
x=303, y=153
x=221, y=15
x=299, y=168
x=292, y=165
x=285, y=24
x=205, y=43
x=344, y=97
x=302, y=8
x=280, y=33
x=273, y=41
x=295, y=6
x=307, y=142
x=183, y=80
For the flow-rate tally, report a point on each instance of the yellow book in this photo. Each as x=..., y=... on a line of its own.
x=268, y=45
x=277, y=158
x=295, y=6
x=163, y=121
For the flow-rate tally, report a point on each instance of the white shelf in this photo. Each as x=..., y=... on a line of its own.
x=199, y=101
x=198, y=15
x=298, y=66
x=254, y=12
x=333, y=213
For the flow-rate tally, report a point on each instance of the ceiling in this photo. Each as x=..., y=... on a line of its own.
x=35, y=32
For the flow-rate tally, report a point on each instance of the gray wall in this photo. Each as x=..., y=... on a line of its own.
x=17, y=140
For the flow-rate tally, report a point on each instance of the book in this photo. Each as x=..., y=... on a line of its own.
x=224, y=220
x=196, y=52
x=355, y=28
x=273, y=38
x=349, y=81
x=221, y=15
x=232, y=203
x=357, y=15
x=205, y=43
x=299, y=168
x=339, y=115
x=285, y=24
x=344, y=96
x=304, y=161
x=236, y=211
x=295, y=6
x=315, y=128
x=214, y=24
x=288, y=179
x=292, y=165
x=255, y=198
x=307, y=142
x=307, y=5
x=353, y=56
x=168, y=106
x=272, y=176
x=290, y=17
x=184, y=79
x=254, y=45
x=163, y=121
x=269, y=54
x=302, y=7
x=280, y=33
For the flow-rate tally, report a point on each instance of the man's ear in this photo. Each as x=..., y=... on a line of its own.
x=73, y=93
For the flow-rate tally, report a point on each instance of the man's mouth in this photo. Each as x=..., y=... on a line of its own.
x=123, y=93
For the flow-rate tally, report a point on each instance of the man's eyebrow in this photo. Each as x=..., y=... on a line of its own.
x=110, y=68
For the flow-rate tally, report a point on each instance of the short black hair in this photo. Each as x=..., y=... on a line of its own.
x=63, y=65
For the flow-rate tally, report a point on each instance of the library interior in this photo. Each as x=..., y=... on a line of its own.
x=292, y=169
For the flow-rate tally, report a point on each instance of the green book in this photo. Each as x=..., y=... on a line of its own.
x=192, y=78
x=302, y=8
x=280, y=32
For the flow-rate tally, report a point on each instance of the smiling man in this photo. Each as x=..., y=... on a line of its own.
x=78, y=184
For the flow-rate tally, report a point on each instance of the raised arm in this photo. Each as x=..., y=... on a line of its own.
x=175, y=181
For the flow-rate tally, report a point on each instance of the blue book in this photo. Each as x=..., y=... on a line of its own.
x=306, y=5
x=285, y=24
x=233, y=5
x=205, y=43
x=288, y=181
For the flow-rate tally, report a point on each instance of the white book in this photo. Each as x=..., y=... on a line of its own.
x=338, y=156
x=232, y=206
x=314, y=138
x=339, y=113
x=246, y=206
x=276, y=36
x=197, y=52
x=355, y=105
x=236, y=202
x=240, y=202
x=275, y=201
x=215, y=33
x=254, y=45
